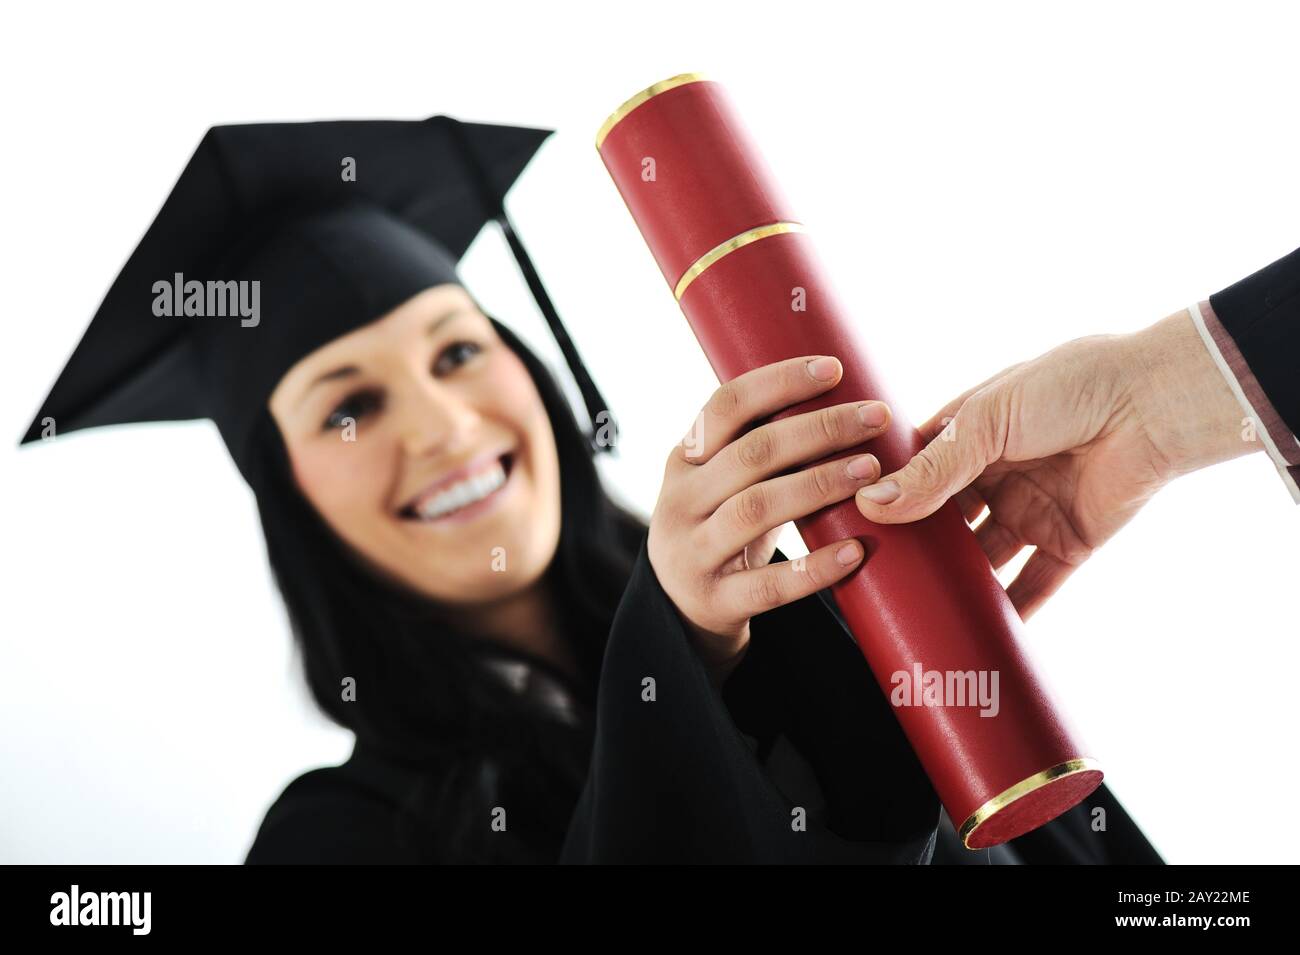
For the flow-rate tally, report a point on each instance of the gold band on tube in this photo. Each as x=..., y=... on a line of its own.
x=663, y=86
x=1022, y=788
x=731, y=245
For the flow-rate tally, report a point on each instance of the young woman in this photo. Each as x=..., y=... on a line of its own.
x=532, y=673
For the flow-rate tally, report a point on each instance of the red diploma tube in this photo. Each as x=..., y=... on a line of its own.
x=925, y=602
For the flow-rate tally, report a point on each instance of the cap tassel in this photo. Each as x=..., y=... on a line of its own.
x=494, y=202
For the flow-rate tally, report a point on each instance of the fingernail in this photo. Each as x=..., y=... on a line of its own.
x=873, y=414
x=864, y=466
x=886, y=492
x=824, y=369
x=848, y=554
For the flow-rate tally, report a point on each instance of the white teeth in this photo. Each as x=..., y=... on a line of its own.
x=464, y=492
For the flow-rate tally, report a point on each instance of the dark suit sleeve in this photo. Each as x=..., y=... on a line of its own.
x=679, y=774
x=1262, y=314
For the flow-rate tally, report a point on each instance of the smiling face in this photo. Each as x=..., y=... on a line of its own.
x=422, y=441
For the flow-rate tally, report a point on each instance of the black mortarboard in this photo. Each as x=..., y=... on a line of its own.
x=337, y=222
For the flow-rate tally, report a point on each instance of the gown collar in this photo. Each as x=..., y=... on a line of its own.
x=535, y=682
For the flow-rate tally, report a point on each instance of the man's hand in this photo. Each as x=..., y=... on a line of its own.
x=1064, y=449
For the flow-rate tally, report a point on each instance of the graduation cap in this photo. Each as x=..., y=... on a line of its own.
x=276, y=239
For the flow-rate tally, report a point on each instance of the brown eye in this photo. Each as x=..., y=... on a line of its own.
x=354, y=406
x=455, y=355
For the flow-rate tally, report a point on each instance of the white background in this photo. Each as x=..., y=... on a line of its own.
x=983, y=182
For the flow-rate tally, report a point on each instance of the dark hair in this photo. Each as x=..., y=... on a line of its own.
x=423, y=697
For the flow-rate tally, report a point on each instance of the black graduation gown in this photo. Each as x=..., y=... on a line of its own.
x=797, y=759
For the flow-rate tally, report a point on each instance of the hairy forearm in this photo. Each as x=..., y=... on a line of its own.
x=1191, y=415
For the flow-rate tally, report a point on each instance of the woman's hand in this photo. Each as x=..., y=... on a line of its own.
x=726, y=492
x=1064, y=449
